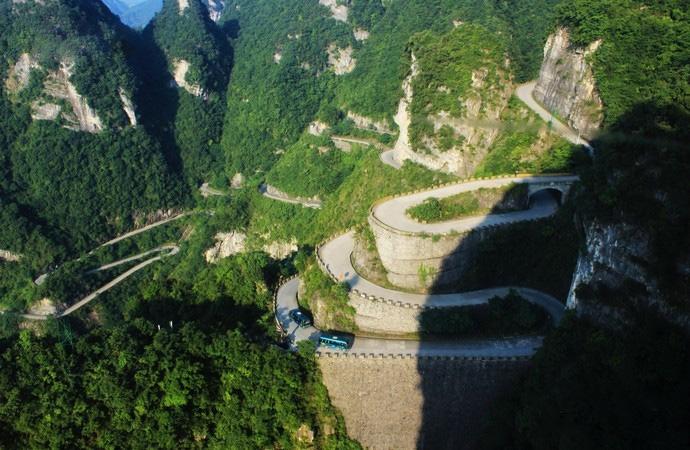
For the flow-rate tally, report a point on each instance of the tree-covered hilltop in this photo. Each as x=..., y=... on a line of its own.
x=198, y=58
x=82, y=35
x=66, y=190
x=615, y=376
x=282, y=78
x=271, y=99
x=189, y=35
x=643, y=55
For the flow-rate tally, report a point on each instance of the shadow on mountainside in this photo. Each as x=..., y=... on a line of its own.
x=458, y=393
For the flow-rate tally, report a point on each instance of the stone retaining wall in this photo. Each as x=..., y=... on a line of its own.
x=415, y=261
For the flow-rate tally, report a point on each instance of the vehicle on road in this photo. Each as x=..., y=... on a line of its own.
x=338, y=341
x=301, y=319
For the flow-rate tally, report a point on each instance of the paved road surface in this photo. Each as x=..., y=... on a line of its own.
x=336, y=255
x=287, y=199
x=393, y=212
x=173, y=250
x=141, y=230
x=511, y=347
x=525, y=93
x=388, y=157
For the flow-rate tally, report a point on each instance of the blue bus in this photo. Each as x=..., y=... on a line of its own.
x=335, y=341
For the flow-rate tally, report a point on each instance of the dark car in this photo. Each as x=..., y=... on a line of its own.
x=300, y=318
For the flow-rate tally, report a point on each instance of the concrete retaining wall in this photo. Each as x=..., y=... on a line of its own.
x=442, y=259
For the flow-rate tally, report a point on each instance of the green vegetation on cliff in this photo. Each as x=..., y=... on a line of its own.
x=643, y=55
x=510, y=315
x=630, y=386
x=474, y=203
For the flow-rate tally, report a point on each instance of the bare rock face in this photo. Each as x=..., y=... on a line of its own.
x=180, y=69
x=43, y=307
x=402, y=149
x=227, y=244
x=338, y=12
x=215, y=8
x=367, y=123
x=57, y=86
x=474, y=131
x=341, y=60
x=10, y=256
x=277, y=56
x=237, y=181
x=617, y=257
x=281, y=249
x=567, y=86
x=18, y=77
x=183, y=5
x=361, y=34
x=128, y=107
x=317, y=128
x=82, y=117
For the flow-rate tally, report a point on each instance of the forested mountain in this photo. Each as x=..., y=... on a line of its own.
x=70, y=100
x=106, y=128
x=199, y=60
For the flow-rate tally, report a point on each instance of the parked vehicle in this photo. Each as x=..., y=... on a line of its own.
x=336, y=341
x=301, y=319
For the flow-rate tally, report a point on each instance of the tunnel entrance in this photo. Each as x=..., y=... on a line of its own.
x=546, y=194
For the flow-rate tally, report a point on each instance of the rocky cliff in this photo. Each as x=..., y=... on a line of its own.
x=459, y=84
x=567, y=86
x=57, y=98
x=215, y=8
x=614, y=276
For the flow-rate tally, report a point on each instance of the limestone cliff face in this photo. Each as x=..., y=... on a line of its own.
x=180, y=69
x=567, y=86
x=617, y=258
x=215, y=8
x=59, y=98
x=472, y=134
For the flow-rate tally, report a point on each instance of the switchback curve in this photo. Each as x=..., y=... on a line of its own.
x=172, y=250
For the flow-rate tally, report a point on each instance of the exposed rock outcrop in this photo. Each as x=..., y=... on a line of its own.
x=215, y=8
x=341, y=60
x=567, y=86
x=10, y=256
x=43, y=307
x=183, y=5
x=281, y=249
x=474, y=132
x=402, y=149
x=338, y=12
x=361, y=34
x=57, y=89
x=367, y=123
x=180, y=69
x=618, y=258
x=237, y=181
x=82, y=116
x=317, y=128
x=128, y=107
x=18, y=76
x=227, y=244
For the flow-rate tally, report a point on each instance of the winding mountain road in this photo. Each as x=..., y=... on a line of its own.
x=335, y=257
x=274, y=194
x=525, y=93
x=393, y=212
x=172, y=250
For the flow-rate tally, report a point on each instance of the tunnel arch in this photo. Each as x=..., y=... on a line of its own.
x=555, y=192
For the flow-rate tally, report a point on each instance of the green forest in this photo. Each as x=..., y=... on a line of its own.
x=185, y=353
